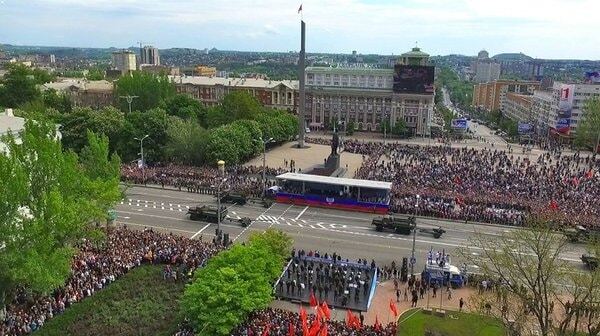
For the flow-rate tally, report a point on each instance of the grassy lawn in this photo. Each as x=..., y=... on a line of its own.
x=140, y=303
x=461, y=324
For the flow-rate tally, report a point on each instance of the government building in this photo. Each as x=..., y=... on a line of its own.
x=367, y=96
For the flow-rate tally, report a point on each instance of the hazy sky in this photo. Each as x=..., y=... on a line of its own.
x=539, y=28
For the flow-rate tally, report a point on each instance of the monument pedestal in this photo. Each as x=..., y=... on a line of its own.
x=333, y=162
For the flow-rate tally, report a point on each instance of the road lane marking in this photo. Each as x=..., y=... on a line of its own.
x=247, y=227
x=200, y=231
x=154, y=227
x=301, y=213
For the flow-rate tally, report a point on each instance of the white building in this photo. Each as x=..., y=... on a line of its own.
x=485, y=69
x=366, y=96
x=124, y=61
x=563, y=101
x=10, y=124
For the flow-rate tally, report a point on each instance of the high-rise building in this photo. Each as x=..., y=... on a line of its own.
x=485, y=69
x=368, y=96
x=149, y=55
x=124, y=61
x=518, y=107
x=490, y=96
x=560, y=110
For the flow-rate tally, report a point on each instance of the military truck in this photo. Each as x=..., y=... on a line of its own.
x=400, y=224
x=234, y=198
x=590, y=261
x=206, y=213
x=582, y=234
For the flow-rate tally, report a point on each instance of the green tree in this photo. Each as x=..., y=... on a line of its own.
x=185, y=141
x=241, y=105
x=234, y=283
x=219, y=146
x=107, y=121
x=588, y=131
x=277, y=241
x=184, y=106
x=48, y=198
x=58, y=101
x=399, y=128
x=154, y=123
x=18, y=87
x=151, y=90
x=350, y=127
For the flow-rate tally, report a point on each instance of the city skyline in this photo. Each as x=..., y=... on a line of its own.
x=369, y=26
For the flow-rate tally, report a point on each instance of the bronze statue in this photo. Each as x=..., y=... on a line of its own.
x=335, y=143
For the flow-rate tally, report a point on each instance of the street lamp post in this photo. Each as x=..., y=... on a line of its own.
x=264, y=165
x=384, y=127
x=412, y=259
x=129, y=99
x=142, y=156
x=219, y=203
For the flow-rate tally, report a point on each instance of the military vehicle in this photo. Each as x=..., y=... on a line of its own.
x=400, y=224
x=436, y=232
x=245, y=221
x=582, y=234
x=234, y=198
x=206, y=213
x=590, y=261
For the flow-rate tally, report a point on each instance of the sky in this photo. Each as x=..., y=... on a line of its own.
x=550, y=29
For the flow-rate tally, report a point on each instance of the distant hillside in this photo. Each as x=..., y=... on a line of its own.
x=512, y=57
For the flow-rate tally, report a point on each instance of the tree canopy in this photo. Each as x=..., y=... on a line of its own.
x=588, y=131
x=151, y=90
x=49, y=197
x=235, y=282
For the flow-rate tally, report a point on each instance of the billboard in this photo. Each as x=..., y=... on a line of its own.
x=459, y=124
x=413, y=79
x=563, y=126
x=525, y=128
x=565, y=104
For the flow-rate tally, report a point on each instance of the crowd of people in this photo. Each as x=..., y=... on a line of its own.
x=279, y=321
x=95, y=267
x=242, y=179
x=340, y=282
x=488, y=185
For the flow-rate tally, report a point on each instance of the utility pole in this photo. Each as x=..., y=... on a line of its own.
x=142, y=156
x=219, y=204
x=413, y=260
x=264, y=179
x=129, y=99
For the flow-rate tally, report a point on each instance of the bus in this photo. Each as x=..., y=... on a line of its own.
x=333, y=192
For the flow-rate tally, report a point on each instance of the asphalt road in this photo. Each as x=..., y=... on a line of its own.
x=347, y=233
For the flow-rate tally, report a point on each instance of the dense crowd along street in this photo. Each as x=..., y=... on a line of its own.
x=487, y=185
x=95, y=267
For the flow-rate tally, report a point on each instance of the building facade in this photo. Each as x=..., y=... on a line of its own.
x=124, y=61
x=366, y=97
x=485, y=69
x=149, y=55
x=490, y=96
x=563, y=101
x=203, y=70
x=211, y=90
x=84, y=93
x=518, y=107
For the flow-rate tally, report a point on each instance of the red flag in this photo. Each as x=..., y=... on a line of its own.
x=324, y=330
x=292, y=329
x=313, y=300
x=553, y=205
x=393, y=308
x=459, y=201
x=356, y=322
x=349, y=318
x=589, y=174
x=300, y=9
x=326, y=310
x=267, y=330
x=303, y=321
x=575, y=181
x=377, y=325
x=457, y=180
x=315, y=327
